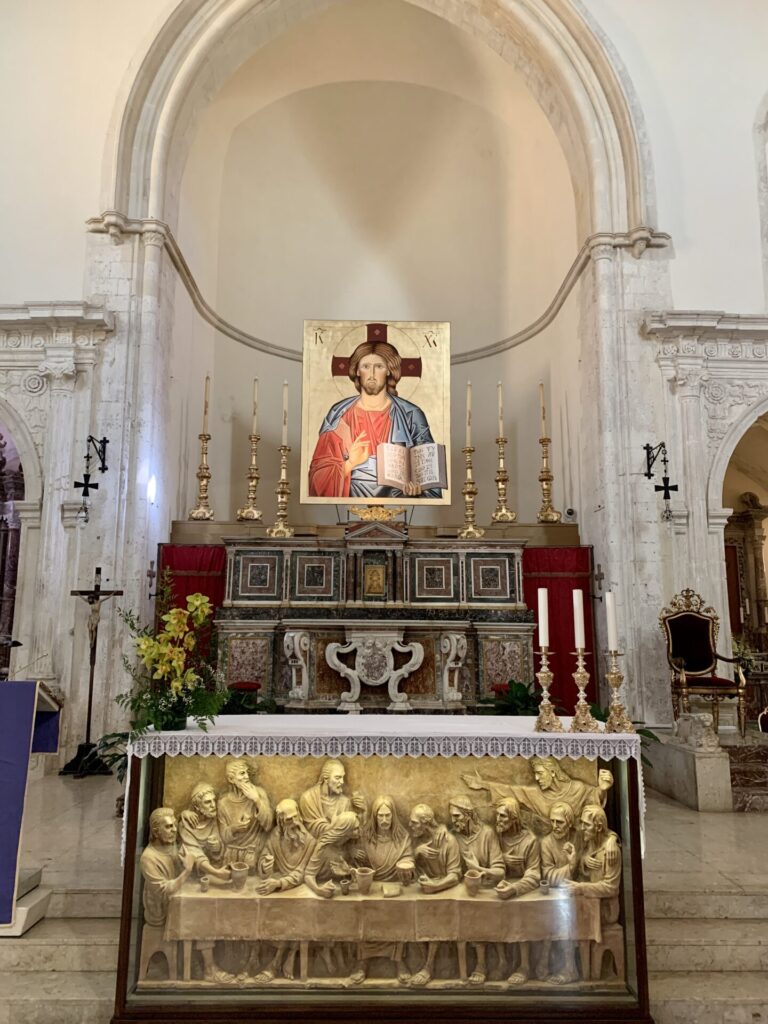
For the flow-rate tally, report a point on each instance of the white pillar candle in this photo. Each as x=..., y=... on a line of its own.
x=578, y=620
x=543, y=618
x=610, y=614
x=255, y=417
x=543, y=410
x=468, y=443
x=205, y=403
x=500, y=398
x=747, y=606
x=285, y=413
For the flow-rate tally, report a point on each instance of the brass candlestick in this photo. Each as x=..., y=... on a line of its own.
x=502, y=513
x=618, y=720
x=283, y=491
x=547, y=720
x=249, y=511
x=582, y=716
x=202, y=510
x=547, y=512
x=469, y=490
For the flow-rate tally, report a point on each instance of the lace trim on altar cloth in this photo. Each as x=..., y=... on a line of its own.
x=588, y=745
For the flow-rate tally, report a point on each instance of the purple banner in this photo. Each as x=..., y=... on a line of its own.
x=17, y=718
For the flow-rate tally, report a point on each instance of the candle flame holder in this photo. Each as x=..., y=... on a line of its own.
x=469, y=490
x=283, y=492
x=503, y=514
x=547, y=513
x=583, y=720
x=547, y=720
x=249, y=512
x=202, y=511
x=618, y=720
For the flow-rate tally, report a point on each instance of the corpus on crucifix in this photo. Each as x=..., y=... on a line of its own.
x=85, y=762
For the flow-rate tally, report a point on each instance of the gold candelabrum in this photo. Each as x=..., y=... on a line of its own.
x=582, y=716
x=618, y=720
x=547, y=720
x=249, y=512
x=547, y=512
x=202, y=510
x=283, y=491
x=502, y=513
x=469, y=490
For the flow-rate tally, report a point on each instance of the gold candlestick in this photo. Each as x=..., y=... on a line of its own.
x=202, y=510
x=249, y=511
x=618, y=720
x=547, y=720
x=547, y=512
x=469, y=490
x=283, y=491
x=502, y=513
x=582, y=716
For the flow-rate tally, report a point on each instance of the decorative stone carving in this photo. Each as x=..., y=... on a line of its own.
x=696, y=730
x=453, y=647
x=296, y=645
x=374, y=665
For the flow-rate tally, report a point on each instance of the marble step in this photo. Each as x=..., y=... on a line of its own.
x=707, y=945
x=78, y=944
x=91, y=903
x=53, y=998
x=725, y=997
x=737, y=903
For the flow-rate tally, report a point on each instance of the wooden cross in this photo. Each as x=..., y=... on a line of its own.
x=599, y=576
x=151, y=574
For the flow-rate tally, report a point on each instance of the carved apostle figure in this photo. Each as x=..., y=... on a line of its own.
x=329, y=861
x=199, y=832
x=282, y=865
x=522, y=863
x=438, y=864
x=326, y=800
x=245, y=816
x=559, y=858
x=598, y=875
x=552, y=786
x=480, y=851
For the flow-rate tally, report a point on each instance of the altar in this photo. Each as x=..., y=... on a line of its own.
x=281, y=905
x=373, y=620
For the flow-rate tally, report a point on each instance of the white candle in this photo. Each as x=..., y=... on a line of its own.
x=746, y=605
x=543, y=618
x=578, y=620
x=255, y=417
x=205, y=404
x=501, y=409
x=285, y=412
x=610, y=614
x=765, y=614
x=469, y=415
x=543, y=410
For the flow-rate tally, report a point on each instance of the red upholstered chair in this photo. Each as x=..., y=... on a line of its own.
x=691, y=632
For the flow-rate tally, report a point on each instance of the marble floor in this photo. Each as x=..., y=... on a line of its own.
x=70, y=829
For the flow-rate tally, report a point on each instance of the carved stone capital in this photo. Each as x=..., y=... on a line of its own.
x=60, y=371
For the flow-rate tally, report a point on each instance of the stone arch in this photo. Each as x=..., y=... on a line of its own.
x=25, y=446
x=725, y=450
x=566, y=62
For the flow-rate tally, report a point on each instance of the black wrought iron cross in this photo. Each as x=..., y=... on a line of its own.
x=665, y=487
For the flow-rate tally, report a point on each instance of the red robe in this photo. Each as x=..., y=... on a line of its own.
x=327, y=478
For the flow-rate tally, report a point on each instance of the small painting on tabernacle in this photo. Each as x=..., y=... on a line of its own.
x=375, y=413
x=374, y=581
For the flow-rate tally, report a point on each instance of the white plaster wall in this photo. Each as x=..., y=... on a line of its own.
x=377, y=162
x=698, y=68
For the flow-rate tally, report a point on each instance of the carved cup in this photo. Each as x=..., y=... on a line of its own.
x=204, y=883
x=364, y=880
x=472, y=881
x=406, y=869
x=239, y=874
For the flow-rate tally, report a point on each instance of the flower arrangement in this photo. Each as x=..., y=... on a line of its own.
x=173, y=679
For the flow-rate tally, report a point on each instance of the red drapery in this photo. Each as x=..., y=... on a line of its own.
x=195, y=568
x=561, y=571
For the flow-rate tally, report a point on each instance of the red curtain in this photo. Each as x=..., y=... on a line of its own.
x=561, y=571
x=195, y=568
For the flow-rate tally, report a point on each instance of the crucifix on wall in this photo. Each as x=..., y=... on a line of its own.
x=85, y=762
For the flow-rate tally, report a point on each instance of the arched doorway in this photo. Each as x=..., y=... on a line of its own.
x=11, y=492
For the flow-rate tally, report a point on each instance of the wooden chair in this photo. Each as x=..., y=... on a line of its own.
x=690, y=630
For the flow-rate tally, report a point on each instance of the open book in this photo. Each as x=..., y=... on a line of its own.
x=423, y=465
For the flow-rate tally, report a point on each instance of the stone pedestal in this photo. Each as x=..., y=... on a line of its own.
x=698, y=778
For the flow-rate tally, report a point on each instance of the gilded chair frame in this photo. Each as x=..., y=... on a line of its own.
x=685, y=681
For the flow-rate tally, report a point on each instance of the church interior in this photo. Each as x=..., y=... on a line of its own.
x=383, y=479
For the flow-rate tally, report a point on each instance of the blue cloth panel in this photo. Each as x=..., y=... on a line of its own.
x=17, y=717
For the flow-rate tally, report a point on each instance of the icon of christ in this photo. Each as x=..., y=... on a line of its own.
x=344, y=463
